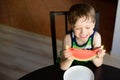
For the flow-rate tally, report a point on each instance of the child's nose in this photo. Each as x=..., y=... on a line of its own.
x=83, y=31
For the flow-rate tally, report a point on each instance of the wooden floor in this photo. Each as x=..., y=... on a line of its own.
x=22, y=52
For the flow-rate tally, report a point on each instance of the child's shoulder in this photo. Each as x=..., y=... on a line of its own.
x=68, y=36
x=97, y=39
x=97, y=34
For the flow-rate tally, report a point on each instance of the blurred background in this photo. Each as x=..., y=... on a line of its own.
x=25, y=36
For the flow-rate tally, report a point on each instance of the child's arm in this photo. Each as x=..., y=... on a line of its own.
x=66, y=56
x=98, y=60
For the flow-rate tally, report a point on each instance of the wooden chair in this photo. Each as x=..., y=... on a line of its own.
x=53, y=14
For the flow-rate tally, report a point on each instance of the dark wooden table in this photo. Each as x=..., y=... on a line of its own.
x=53, y=72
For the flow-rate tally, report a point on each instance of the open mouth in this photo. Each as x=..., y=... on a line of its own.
x=83, y=36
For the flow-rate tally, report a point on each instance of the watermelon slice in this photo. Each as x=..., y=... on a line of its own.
x=84, y=55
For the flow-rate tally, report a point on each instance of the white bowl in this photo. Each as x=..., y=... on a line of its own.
x=78, y=73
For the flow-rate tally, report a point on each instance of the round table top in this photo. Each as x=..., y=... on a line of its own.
x=53, y=72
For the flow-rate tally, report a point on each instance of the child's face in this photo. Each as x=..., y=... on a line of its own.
x=83, y=28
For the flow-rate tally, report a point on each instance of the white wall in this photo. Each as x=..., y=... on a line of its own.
x=115, y=51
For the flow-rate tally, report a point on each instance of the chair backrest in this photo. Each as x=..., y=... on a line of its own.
x=53, y=29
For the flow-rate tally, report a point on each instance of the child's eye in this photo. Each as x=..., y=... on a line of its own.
x=87, y=27
x=77, y=28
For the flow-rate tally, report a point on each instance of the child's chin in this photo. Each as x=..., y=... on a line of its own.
x=84, y=39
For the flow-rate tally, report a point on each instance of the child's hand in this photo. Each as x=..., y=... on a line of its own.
x=101, y=53
x=67, y=55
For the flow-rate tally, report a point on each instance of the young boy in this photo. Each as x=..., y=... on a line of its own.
x=82, y=20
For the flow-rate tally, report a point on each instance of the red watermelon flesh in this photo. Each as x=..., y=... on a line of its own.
x=82, y=54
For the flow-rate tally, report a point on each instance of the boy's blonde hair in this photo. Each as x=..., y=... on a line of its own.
x=80, y=10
